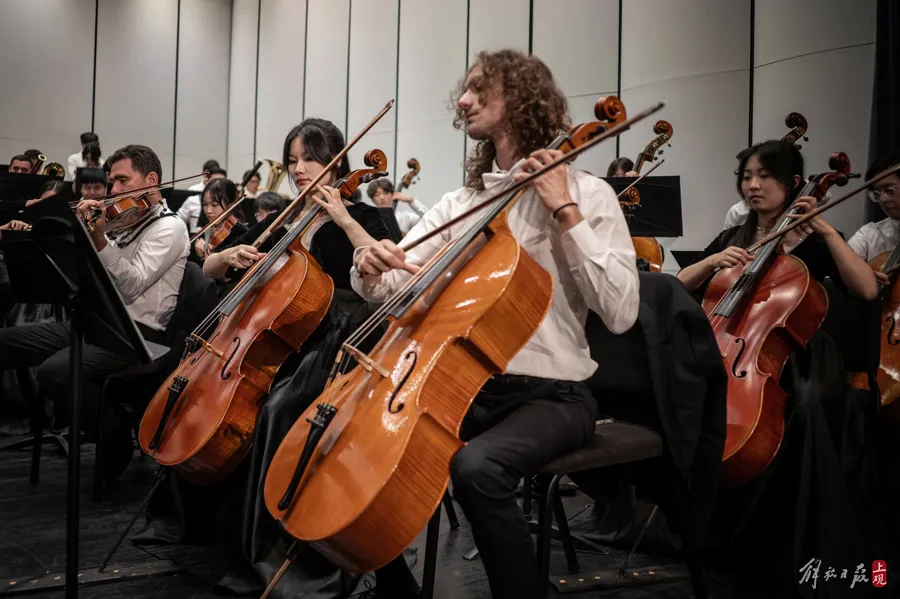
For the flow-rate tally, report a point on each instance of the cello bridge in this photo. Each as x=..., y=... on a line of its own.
x=367, y=363
x=202, y=343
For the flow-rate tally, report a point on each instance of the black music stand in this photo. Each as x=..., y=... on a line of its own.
x=77, y=277
x=659, y=212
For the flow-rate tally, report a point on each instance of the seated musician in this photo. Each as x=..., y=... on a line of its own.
x=145, y=259
x=571, y=224
x=381, y=192
x=20, y=163
x=800, y=506
x=621, y=167
x=78, y=159
x=190, y=210
x=874, y=239
x=266, y=203
x=218, y=196
x=252, y=185
x=90, y=183
x=331, y=239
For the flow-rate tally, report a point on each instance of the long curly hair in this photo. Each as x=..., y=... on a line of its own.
x=536, y=110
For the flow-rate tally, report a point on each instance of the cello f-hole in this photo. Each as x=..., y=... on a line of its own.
x=890, y=332
x=223, y=375
x=739, y=375
x=410, y=358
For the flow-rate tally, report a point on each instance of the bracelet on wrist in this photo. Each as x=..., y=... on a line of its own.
x=555, y=212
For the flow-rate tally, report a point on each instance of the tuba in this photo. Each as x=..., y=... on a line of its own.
x=276, y=175
x=54, y=169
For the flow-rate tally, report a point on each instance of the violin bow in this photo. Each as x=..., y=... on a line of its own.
x=123, y=194
x=810, y=215
x=611, y=132
x=236, y=203
x=639, y=179
x=288, y=212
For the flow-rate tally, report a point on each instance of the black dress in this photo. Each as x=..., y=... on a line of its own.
x=239, y=500
x=801, y=507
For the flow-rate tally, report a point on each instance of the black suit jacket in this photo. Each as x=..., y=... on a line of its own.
x=670, y=360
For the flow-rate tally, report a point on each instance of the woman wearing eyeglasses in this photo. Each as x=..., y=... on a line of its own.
x=874, y=239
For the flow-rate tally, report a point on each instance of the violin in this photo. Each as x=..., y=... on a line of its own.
x=201, y=422
x=124, y=206
x=761, y=313
x=363, y=469
x=797, y=124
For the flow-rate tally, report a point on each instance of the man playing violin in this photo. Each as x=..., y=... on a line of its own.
x=571, y=224
x=145, y=258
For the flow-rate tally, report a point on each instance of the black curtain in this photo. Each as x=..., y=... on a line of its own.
x=884, y=132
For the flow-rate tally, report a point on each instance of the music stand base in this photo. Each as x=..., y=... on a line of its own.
x=114, y=573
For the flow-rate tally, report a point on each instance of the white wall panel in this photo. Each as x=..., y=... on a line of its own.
x=497, y=24
x=432, y=62
x=242, y=85
x=709, y=116
x=203, y=66
x=677, y=38
x=838, y=113
x=326, y=60
x=47, y=62
x=586, y=65
x=136, y=76
x=373, y=80
x=799, y=27
x=579, y=41
x=280, y=88
x=694, y=55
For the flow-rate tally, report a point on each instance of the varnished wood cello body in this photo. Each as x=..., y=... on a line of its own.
x=761, y=313
x=888, y=375
x=202, y=422
x=360, y=474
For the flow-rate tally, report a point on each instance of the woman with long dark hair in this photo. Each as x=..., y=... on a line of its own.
x=801, y=507
x=340, y=228
x=217, y=197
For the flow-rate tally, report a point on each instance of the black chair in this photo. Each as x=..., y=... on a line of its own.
x=614, y=444
x=135, y=386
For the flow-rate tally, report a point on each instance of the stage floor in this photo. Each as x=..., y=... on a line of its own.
x=33, y=525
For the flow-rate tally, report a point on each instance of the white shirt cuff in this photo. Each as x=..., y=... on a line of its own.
x=108, y=255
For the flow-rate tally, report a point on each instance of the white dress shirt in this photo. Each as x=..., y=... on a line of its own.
x=737, y=215
x=76, y=161
x=147, y=268
x=189, y=213
x=874, y=239
x=407, y=219
x=593, y=266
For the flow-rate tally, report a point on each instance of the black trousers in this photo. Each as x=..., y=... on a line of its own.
x=515, y=425
x=47, y=346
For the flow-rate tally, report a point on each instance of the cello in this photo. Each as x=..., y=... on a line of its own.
x=798, y=126
x=361, y=472
x=202, y=423
x=648, y=248
x=889, y=365
x=761, y=313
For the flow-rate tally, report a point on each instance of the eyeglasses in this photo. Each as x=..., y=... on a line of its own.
x=887, y=193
